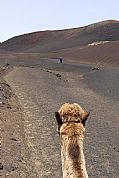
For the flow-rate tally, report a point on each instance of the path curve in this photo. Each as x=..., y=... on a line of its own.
x=40, y=94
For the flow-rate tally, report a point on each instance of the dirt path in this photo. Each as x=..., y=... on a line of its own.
x=13, y=149
x=40, y=94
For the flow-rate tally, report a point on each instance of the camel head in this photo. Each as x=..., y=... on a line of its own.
x=71, y=113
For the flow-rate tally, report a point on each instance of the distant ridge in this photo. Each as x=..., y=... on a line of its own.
x=49, y=41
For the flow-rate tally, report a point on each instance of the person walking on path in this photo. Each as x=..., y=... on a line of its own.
x=61, y=60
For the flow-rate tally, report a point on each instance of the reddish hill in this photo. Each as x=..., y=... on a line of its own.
x=97, y=43
x=96, y=53
x=47, y=41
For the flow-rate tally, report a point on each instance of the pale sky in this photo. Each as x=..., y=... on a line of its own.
x=23, y=16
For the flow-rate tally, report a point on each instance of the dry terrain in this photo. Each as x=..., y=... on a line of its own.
x=36, y=84
x=97, y=43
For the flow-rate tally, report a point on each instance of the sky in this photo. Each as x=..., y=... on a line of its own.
x=24, y=16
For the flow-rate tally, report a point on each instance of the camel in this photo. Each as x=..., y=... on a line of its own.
x=71, y=120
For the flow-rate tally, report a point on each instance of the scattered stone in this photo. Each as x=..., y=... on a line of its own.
x=13, y=168
x=14, y=139
x=95, y=68
x=58, y=75
x=8, y=106
x=1, y=102
x=1, y=166
x=20, y=159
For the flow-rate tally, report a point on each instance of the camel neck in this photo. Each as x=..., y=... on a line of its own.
x=73, y=161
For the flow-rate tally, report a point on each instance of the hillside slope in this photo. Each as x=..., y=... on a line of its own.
x=95, y=53
x=47, y=41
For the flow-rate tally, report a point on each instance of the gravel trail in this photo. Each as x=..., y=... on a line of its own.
x=41, y=92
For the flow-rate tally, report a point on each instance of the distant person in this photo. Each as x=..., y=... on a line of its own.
x=61, y=60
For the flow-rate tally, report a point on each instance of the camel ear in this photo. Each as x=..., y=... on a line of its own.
x=84, y=117
x=58, y=118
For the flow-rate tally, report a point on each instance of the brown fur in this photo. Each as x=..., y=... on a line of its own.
x=71, y=121
x=72, y=129
x=74, y=132
x=70, y=112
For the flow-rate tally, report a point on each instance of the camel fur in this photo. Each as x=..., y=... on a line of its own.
x=71, y=120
